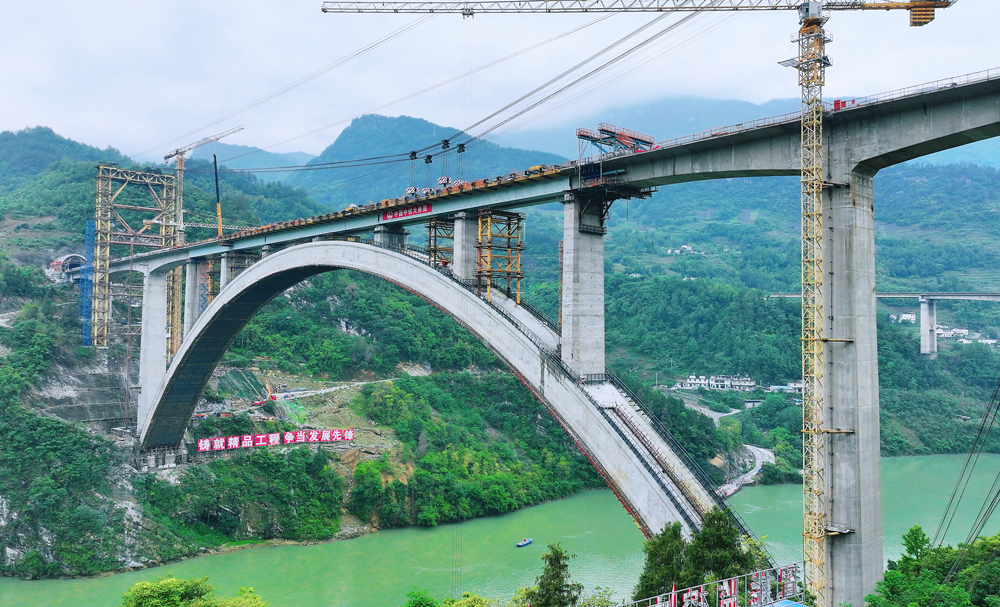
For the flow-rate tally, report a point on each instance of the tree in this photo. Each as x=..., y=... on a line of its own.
x=665, y=557
x=553, y=587
x=419, y=598
x=717, y=550
x=192, y=592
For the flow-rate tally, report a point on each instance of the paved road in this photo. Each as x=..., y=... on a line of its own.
x=691, y=402
x=761, y=456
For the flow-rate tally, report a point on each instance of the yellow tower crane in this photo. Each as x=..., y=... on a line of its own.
x=174, y=280
x=811, y=64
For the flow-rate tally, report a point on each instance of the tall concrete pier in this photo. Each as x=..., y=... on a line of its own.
x=583, y=286
x=854, y=481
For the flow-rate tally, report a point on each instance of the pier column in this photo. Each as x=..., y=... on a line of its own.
x=195, y=292
x=223, y=271
x=853, y=471
x=466, y=236
x=394, y=236
x=928, y=326
x=583, y=286
x=153, y=353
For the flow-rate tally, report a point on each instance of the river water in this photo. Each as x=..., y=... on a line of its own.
x=379, y=569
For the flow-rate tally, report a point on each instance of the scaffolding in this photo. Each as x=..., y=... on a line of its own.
x=812, y=63
x=441, y=242
x=208, y=290
x=499, y=249
x=126, y=220
x=240, y=261
x=85, y=308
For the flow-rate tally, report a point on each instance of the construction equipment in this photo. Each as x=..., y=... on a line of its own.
x=174, y=280
x=811, y=65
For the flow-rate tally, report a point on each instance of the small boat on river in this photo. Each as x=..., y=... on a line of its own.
x=524, y=542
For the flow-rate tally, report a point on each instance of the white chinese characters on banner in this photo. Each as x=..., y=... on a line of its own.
x=695, y=597
x=419, y=209
x=246, y=441
x=728, y=593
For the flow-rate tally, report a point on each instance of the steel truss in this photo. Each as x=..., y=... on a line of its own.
x=441, y=241
x=922, y=11
x=812, y=63
x=499, y=249
x=113, y=228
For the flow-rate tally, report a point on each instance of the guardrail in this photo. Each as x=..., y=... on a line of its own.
x=791, y=117
x=689, y=461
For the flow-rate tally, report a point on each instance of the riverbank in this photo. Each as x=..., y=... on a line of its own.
x=380, y=568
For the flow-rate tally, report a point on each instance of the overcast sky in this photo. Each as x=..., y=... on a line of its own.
x=142, y=76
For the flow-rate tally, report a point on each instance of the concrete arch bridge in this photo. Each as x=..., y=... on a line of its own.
x=647, y=469
x=566, y=367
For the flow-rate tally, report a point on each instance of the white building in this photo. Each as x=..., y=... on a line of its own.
x=793, y=387
x=908, y=318
x=693, y=383
x=738, y=383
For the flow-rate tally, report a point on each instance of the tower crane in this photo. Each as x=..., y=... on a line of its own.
x=179, y=168
x=811, y=65
x=174, y=283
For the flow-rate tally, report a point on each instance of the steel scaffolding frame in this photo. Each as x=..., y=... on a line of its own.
x=499, y=249
x=111, y=228
x=441, y=241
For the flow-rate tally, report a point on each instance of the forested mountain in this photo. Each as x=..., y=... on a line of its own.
x=247, y=157
x=28, y=152
x=375, y=136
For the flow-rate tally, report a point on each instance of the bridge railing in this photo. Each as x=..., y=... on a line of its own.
x=689, y=461
x=921, y=89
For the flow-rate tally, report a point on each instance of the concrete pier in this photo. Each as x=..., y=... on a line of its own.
x=466, y=236
x=928, y=326
x=224, y=272
x=394, y=236
x=153, y=361
x=583, y=286
x=853, y=472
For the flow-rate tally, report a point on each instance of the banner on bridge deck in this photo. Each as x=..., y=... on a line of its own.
x=246, y=441
x=419, y=209
x=780, y=585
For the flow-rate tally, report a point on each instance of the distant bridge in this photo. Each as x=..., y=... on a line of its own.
x=928, y=311
x=646, y=468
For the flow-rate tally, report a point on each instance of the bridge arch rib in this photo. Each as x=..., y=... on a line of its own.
x=653, y=482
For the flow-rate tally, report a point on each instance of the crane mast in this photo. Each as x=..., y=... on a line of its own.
x=174, y=279
x=811, y=64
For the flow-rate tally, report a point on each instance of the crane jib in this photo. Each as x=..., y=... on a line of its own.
x=597, y=6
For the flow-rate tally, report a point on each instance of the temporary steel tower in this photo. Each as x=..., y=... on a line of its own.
x=811, y=64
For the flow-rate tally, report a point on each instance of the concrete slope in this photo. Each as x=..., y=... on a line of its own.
x=633, y=467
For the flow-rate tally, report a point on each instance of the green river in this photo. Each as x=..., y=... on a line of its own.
x=379, y=569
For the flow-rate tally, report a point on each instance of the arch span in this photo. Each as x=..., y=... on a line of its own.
x=652, y=481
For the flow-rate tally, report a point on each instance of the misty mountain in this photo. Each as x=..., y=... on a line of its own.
x=248, y=157
x=375, y=136
x=678, y=116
